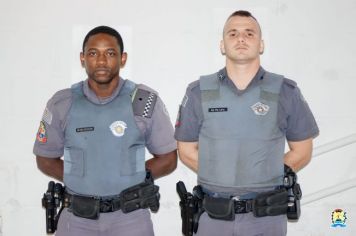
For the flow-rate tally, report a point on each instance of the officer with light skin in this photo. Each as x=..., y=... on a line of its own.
x=232, y=127
x=101, y=127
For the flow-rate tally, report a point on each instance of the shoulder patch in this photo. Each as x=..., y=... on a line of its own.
x=290, y=82
x=143, y=103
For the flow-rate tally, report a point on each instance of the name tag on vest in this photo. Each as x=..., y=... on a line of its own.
x=217, y=109
x=84, y=129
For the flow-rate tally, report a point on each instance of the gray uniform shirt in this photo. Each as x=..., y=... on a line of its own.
x=295, y=118
x=157, y=130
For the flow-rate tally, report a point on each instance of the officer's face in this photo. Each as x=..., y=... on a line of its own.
x=102, y=59
x=242, y=41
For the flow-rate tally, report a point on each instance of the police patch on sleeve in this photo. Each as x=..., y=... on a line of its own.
x=42, y=133
x=118, y=128
x=260, y=109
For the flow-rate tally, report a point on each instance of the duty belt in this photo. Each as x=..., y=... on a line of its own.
x=242, y=204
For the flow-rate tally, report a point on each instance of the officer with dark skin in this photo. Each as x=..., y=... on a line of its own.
x=103, y=57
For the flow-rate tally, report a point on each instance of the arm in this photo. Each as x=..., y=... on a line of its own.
x=299, y=155
x=161, y=165
x=299, y=124
x=48, y=151
x=52, y=167
x=189, y=121
x=188, y=154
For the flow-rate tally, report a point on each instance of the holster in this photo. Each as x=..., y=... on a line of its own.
x=191, y=208
x=51, y=201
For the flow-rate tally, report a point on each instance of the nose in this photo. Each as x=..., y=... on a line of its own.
x=102, y=59
x=241, y=37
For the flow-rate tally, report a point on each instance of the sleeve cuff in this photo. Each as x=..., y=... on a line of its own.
x=163, y=149
x=303, y=136
x=46, y=153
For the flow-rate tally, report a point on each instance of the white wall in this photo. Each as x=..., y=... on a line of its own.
x=171, y=43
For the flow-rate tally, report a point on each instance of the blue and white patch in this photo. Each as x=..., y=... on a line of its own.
x=260, y=109
x=118, y=128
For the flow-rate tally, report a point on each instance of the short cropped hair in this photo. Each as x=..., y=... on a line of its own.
x=105, y=30
x=242, y=13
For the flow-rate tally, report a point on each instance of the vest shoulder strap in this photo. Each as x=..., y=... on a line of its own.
x=143, y=102
x=272, y=82
x=209, y=82
x=77, y=87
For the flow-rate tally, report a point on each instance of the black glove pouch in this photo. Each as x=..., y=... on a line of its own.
x=271, y=203
x=85, y=207
x=143, y=195
x=219, y=208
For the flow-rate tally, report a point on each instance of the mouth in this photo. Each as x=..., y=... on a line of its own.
x=102, y=71
x=241, y=48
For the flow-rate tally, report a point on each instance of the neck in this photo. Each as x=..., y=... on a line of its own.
x=104, y=90
x=242, y=74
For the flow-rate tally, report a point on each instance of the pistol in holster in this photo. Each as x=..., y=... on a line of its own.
x=191, y=208
x=51, y=201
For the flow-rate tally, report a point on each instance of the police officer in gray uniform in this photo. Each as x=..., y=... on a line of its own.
x=101, y=127
x=231, y=130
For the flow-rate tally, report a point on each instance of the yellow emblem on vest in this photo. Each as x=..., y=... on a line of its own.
x=118, y=128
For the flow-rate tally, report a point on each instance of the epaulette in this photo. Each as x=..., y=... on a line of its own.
x=143, y=102
x=290, y=82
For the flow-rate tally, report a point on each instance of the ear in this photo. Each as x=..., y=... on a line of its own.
x=222, y=47
x=82, y=59
x=262, y=47
x=123, y=59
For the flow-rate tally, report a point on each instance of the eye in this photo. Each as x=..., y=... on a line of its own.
x=250, y=34
x=91, y=53
x=111, y=53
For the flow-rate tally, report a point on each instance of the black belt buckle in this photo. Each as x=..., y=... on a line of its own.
x=243, y=206
x=106, y=206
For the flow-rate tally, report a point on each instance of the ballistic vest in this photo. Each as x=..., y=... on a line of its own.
x=240, y=143
x=104, y=151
